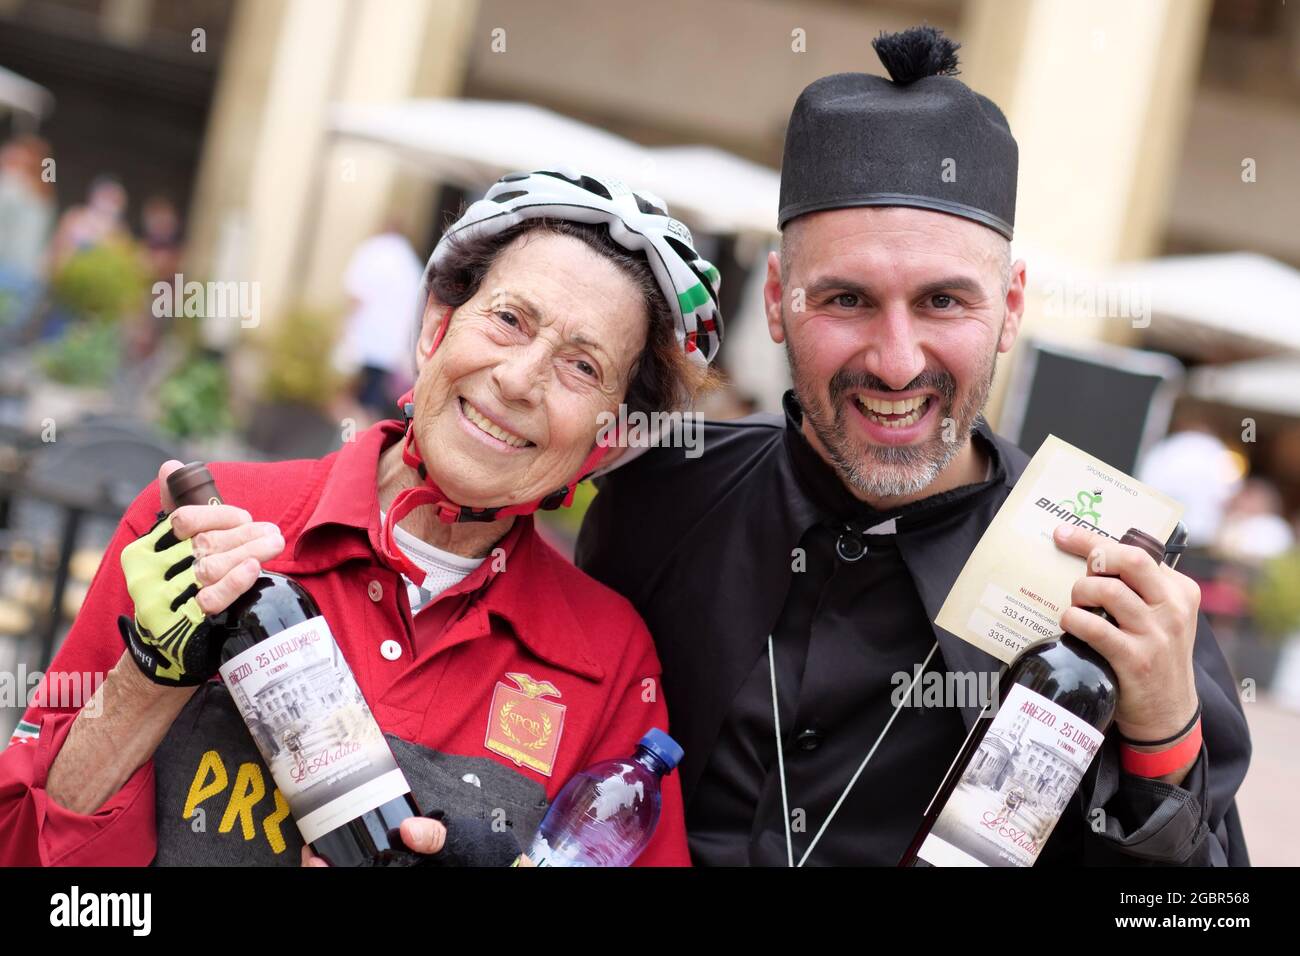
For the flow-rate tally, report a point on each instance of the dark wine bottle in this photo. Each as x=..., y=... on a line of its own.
x=1020, y=765
x=296, y=693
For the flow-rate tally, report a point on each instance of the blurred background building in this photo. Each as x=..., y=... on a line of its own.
x=305, y=153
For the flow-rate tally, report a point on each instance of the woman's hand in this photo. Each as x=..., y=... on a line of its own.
x=229, y=547
x=428, y=837
x=192, y=564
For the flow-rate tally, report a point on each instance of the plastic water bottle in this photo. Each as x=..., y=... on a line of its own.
x=607, y=814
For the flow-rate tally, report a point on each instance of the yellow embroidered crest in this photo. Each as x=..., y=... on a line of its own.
x=523, y=726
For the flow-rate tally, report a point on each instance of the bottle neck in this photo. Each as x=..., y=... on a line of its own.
x=1101, y=613
x=650, y=761
x=1151, y=546
x=1073, y=639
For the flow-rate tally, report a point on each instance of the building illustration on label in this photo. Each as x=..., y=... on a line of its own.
x=309, y=720
x=1023, y=774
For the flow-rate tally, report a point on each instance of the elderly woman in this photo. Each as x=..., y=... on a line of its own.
x=494, y=667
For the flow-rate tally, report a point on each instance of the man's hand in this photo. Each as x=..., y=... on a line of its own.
x=1149, y=645
x=428, y=837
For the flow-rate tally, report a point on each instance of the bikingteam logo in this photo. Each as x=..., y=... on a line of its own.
x=1085, y=504
x=1082, y=510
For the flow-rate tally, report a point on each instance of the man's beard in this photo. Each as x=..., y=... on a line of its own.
x=888, y=471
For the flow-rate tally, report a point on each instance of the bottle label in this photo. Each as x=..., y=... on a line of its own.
x=313, y=727
x=1018, y=781
x=543, y=854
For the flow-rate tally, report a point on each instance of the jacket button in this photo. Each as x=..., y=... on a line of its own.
x=850, y=546
x=390, y=649
x=376, y=591
x=809, y=739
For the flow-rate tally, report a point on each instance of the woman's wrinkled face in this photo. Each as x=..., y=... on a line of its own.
x=509, y=405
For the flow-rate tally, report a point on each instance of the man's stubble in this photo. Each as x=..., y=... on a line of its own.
x=888, y=471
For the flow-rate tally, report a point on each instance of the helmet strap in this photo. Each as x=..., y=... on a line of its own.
x=449, y=512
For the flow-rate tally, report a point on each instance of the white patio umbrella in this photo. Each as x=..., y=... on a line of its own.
x=1236, y=304
x=21, y=95
x=472, y=143
x=1266, y=385
x=724, y=192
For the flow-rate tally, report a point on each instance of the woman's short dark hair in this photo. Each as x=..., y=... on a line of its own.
x=662, y=376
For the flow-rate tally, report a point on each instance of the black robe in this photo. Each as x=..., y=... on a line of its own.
x=706, y=549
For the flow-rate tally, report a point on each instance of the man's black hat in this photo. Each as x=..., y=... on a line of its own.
x=921, y=138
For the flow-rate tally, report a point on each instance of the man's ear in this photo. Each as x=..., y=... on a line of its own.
x=772, y=292
x=1015, y=307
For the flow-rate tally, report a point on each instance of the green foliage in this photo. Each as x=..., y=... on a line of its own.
x=86, y=355
x=1275, y=596
x=8, y=307
x=103, y=283
x=193, y=402
x=297, y=359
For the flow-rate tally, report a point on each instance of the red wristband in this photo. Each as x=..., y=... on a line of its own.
x=1164, y=761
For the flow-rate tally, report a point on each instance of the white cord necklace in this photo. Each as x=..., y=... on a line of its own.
x=780, y=758
x=885, y=527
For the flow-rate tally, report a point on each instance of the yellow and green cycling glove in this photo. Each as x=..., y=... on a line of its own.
x=172, y=641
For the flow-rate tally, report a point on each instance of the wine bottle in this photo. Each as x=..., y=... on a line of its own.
x=289, y=681
x=1020, y=765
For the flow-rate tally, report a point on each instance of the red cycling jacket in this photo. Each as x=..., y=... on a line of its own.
x=493, y=696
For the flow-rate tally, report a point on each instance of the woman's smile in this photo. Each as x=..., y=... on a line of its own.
x=488, y=431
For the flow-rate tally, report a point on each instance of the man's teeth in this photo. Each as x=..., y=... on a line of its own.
x=514, y=441
x=892, y=408
x=911, y=410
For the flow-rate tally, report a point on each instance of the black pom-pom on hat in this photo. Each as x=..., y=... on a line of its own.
x=915, y=53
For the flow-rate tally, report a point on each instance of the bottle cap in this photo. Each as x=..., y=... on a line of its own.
x=663, y=747
x=1144, y=541
x=192, y=484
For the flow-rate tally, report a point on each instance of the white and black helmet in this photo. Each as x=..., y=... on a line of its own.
x=637, y=222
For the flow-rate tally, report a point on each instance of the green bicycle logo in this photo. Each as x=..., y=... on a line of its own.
x=1084, y=505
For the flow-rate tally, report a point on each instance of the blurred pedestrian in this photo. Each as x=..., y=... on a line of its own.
x=383, y=282
x=1254, y=528
x=1193, y=466
x=27, y=211
x=100, y=219
x=161, y=244
x=161, y=237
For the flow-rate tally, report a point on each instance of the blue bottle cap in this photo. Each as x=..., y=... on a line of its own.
x=663, y=747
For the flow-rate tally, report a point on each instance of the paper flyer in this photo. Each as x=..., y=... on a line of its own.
x=1017, y=582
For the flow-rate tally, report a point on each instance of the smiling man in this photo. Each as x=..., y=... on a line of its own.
x=893, y=341
x=792, y=572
